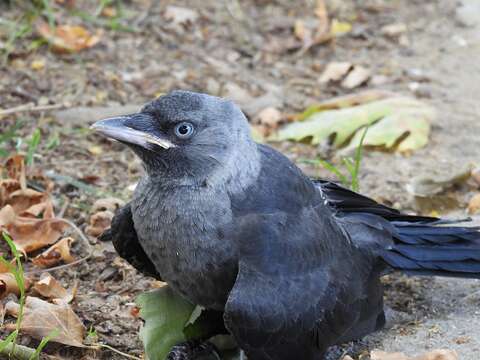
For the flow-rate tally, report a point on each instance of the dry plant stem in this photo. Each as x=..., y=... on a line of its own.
x=84, y=239
x=30, y=107
x=96, y=346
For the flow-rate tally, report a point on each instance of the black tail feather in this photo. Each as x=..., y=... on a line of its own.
x=435, y=250
x=419, y=245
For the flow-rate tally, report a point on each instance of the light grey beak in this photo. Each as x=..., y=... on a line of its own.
x=120, y=128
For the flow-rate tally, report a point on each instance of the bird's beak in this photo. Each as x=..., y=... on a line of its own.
x=119, y=128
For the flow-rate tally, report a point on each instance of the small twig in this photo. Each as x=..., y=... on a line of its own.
x=84, y=239
x=31, y=107
x=96, y=346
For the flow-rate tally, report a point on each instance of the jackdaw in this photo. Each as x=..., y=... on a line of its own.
x=294, y=264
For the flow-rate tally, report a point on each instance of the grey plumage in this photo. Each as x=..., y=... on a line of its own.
x=234, y=226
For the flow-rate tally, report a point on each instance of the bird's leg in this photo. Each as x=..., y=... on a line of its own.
x=193, y=350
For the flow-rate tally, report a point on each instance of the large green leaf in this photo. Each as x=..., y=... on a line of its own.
x=410, y=130
x=170, y=319
x=397, y=119
x=166, y=315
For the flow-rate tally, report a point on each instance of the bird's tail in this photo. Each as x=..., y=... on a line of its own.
x=435, y=248
x=413, y=244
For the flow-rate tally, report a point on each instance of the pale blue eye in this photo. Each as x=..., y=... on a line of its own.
x=184, y=130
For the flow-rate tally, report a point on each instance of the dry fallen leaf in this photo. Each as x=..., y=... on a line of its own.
x=7, y=186
x=40, y=318
x=99, y=222
x=8, y=285
x=382, y=355
x=180, y=15
x=37, y=64
x=68, y=38
x=109, y=11
x=474, y=205
x=54, y=254
x=50, y=288
x=441, y=354
x=30, y=234
x=335, y=71
x=22, y=199
x=394, y=30
x=269, y=117
x=7, y=215
x=15, y=166
x=358, y=76
x=111, y=204
x=476, y=175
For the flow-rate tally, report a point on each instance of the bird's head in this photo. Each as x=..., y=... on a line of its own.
x=184, y=135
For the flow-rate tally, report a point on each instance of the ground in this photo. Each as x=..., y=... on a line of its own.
x=245, y=50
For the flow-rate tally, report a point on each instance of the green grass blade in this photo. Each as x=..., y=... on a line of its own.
x=19, y=276
x=10, y=338
x=333, y=169
x=32, y=146
x=43, y=343
x=358, y=160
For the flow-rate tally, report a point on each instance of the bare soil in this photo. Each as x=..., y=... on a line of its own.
x=248, y=53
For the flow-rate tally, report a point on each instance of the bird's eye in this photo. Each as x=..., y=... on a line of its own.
x=184, y=130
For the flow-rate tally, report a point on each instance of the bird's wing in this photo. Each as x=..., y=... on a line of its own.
x=348, y=201
x=124, y=238
x=294, y=290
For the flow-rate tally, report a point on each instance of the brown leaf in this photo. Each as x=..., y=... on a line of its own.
x=68, y=38
x=55, y=253
x=15, y=166
x=50, y=288
x=382, y=355
x=7, y=215
x=335, y=71
x=112, y=204
x=180, y=15
x=269, y=117
x=30, y=234
x=323, y=21
x=358, y=76
x=441, y=354
x=99, y=222
x=23, y=199
x=40, y=318
x=474, y=205
x=8, y=285
x=7, y=186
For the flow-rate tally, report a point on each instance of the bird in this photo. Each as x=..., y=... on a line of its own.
x=291, y=264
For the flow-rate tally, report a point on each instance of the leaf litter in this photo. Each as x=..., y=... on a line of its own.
x=27, y=216
x=40, y=318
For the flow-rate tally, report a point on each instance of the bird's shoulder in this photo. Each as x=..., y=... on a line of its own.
x=279, y=186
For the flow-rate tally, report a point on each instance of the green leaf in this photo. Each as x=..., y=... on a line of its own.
x=409, y=131
x=165, y=314
x=397, y=119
